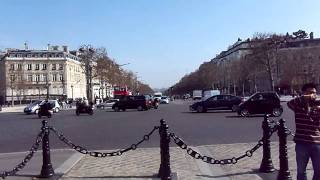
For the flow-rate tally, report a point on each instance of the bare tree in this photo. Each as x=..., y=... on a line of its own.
x=87, y=57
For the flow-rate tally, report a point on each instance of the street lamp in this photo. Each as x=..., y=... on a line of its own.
x=39, y=92
x=72, y=92
x=47, y=86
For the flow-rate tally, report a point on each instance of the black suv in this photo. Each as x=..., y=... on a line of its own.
x=217, y=102
x=261, y=103
x=140, y=103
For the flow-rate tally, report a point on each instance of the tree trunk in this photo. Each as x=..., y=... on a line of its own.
x=270, y=77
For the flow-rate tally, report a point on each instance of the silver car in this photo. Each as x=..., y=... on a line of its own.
x=107, y=104
x=32, y=108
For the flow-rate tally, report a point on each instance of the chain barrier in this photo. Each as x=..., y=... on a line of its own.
x=100, y=154
x=289, y=132
x=211, y=160
x=28, y=157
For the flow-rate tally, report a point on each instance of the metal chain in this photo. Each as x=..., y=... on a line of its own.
x=276, y=124
x=28, y=157
x=100, y=154
x=211, y=160
x=274, y=128
x=289, y=132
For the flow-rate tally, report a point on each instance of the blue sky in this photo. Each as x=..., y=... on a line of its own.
x=161, y=39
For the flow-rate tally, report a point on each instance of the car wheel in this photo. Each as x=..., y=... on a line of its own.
x=116, y=108
x=244, y=113
x=234, y=108
x=200, y=109
x=277, y=112
x=56, y=110
x=36, y=111
x=140, y=108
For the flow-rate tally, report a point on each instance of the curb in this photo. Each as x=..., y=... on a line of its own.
x=69, y=163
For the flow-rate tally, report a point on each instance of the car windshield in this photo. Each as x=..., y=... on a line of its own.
x=157, y=95
x=164, y=97
x=35, y=103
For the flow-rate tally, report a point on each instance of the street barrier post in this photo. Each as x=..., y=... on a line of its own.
x=284, y=173
x=164, y=170
x=46, y=170
x=266, y=163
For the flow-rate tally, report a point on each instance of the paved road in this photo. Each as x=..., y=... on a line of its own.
x=112, y=130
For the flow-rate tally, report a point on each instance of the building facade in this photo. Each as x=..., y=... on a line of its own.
x=34, y=74
x=297, y=62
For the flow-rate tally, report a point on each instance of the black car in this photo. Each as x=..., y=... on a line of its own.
x=140, y=103
x=261, y=103
x=218, y=102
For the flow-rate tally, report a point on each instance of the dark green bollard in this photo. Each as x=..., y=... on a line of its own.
x=284, y=173
x=164, y=170
x=46, y=170
x=266, y=163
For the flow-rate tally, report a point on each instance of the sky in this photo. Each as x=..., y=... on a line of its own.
x=163, y=40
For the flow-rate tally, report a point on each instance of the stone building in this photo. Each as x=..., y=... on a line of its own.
x=298, y=62
x=32, y=74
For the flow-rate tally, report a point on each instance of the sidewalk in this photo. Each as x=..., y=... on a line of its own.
x=144, y=164
x=17, y=108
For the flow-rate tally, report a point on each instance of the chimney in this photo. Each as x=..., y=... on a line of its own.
x=311, y=35
x=48, y=47
x=65, y=49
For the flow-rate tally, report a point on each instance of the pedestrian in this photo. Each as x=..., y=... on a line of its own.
x=307, y=136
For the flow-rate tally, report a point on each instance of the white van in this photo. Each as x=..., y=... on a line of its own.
x=157, y=95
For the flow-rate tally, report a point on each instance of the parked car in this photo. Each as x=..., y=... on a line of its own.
x=164, y=100
x=261, y=103
x=218, y=102
x=107, y=104
x=32, y=108
x=141, y=102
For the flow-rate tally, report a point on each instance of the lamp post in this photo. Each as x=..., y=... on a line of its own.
x=47, y=86
x=38, y=92
x=72, y=92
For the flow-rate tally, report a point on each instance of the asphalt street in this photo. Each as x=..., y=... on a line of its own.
x=113, y=130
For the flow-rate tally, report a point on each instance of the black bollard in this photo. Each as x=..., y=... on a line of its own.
x=164, y=170
x=266, y=165
x=284, y=173
x=46, y=170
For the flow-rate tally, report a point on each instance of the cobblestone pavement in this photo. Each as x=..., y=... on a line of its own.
x=144, y=164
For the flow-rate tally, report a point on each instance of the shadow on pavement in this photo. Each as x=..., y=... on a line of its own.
x=264, y=176
x=35, y=176
x=112, y=177
x=248, y=117
x=209, y=112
